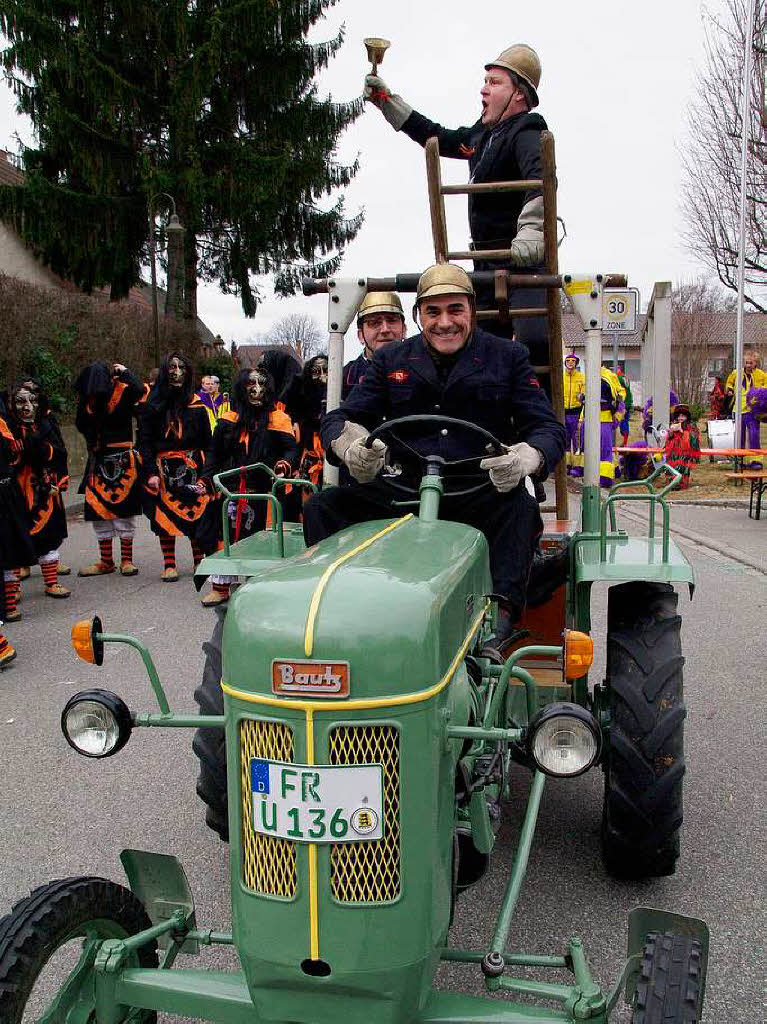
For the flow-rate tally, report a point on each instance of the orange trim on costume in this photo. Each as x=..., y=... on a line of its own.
x=106, y=492
x=278, y=420
x=97, y=507
x=44, y=512
x=14, y=444
x=114, y=398
x=230, y=416
x=189, y=515
x=176, y=427
x=165, y=524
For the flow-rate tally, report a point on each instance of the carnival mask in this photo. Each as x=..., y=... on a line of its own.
x=176, y=372
x=25, y=404
x=255, y=388
x=319, y=373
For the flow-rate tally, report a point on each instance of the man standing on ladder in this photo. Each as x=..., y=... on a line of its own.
x=503, y=145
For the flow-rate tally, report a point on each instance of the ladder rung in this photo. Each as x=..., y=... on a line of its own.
x=492, y=314
x=480, y=254
x=491, y=186
x=547, y=508
x=541, y=369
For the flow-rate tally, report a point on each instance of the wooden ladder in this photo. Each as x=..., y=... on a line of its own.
x=552, y=310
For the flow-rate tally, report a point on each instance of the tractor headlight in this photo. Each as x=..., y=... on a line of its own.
x=564, y=740
x=96, y=723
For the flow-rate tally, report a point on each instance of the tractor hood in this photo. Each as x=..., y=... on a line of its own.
x=395, y=599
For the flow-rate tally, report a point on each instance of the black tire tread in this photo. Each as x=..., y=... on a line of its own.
x=37, y=924
x=644, y=762
x=668, y=989
x=210, y=744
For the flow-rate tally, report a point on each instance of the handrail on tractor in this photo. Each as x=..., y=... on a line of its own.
x=271, y=498
x=652, y=496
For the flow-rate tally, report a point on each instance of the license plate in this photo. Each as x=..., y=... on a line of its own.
x=317, y=803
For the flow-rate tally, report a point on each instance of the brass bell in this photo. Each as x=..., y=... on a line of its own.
x=376, y=49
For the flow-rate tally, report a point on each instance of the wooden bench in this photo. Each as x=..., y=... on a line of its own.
x=758, y=480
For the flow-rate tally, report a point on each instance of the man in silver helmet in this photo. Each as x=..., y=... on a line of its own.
x=504, y=144
x=380, y=320
x=450, y=368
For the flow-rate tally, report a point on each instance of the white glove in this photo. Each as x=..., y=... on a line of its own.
x=527, y=248
x=363, y=463
x=507, y=470
x=392, y=106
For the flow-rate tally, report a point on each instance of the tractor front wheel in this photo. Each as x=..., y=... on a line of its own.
x=48, y=945
x=668, y=989
x=644, y=759
x=210, y=744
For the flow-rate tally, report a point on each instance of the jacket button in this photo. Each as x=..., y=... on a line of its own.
x=436, y=408
x=443, y=432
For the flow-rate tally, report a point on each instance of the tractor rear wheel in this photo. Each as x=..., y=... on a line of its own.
x=668, y=988
x=48, y=945
x=210, y=744
x=644, y=760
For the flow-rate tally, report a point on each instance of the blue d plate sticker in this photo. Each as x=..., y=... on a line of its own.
x=259, y=776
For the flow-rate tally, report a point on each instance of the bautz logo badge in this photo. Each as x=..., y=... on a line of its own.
x=313, y=678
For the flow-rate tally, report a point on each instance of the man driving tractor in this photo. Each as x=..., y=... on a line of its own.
x=454, y=369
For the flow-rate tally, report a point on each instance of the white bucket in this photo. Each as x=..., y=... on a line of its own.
x=721, y=434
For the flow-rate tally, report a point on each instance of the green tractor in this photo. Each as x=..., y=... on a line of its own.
x=359, y=779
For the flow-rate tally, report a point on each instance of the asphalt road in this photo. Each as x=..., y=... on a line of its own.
x=62, y=815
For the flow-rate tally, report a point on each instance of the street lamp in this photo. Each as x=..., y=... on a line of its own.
x=174, y=228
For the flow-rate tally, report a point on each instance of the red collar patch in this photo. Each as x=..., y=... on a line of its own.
x=535, y=382
x=399, y=376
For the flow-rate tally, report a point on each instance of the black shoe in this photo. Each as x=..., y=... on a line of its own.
x=504, y=635
x=547, y=573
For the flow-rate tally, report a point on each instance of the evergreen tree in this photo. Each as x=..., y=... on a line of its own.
x=213, y=102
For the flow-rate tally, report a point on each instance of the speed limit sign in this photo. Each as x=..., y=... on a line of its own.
x=619, y=310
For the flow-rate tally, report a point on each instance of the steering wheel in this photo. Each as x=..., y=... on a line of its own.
x=435, y=464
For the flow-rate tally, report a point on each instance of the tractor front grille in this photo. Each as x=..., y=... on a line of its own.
x=369, y=872
x=268, y=864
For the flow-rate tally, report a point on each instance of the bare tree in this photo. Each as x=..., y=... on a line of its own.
x=711, y=158
x=692, y=305
x=299, y=330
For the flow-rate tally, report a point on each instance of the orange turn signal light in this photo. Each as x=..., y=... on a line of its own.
x=86, y=641
x=579, y=653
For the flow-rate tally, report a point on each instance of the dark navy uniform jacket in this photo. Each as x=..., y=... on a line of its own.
x=509, y=151
x=354, y=373
x=491, y=384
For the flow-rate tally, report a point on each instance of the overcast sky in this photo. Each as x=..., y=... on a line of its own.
x=616, y=81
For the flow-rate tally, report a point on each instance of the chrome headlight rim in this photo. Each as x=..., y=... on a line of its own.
x=115, y=705
x=564, y=709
